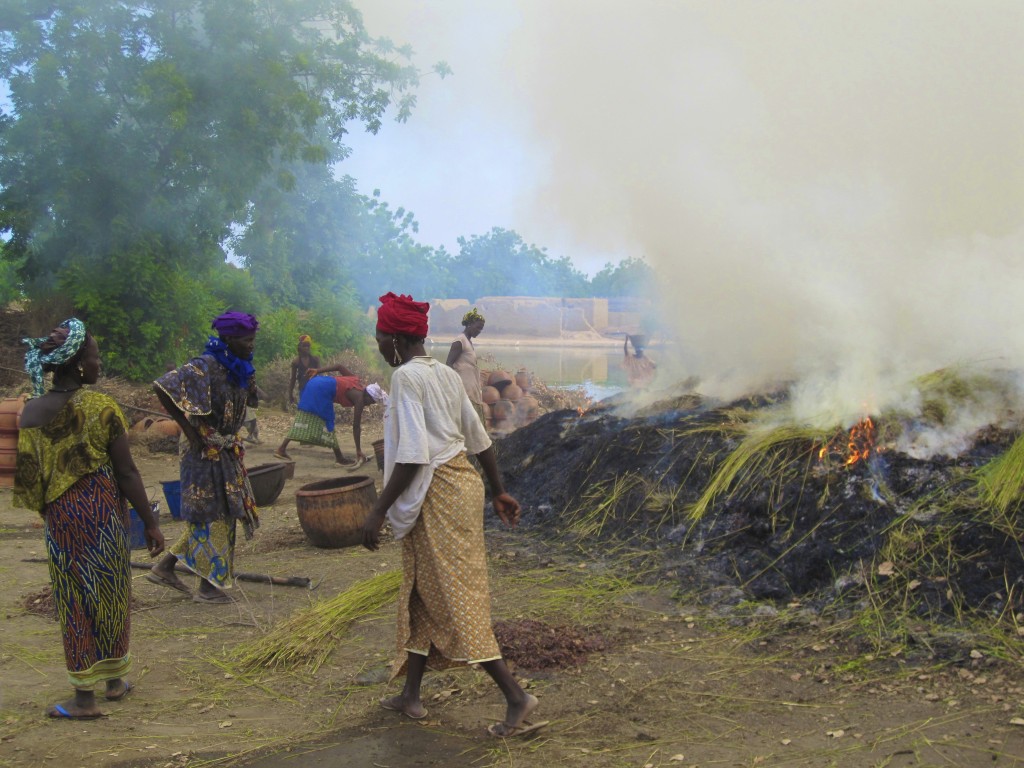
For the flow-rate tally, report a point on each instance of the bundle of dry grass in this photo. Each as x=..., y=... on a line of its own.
x=762, y=453
x=1001, y=481
x=310, y=635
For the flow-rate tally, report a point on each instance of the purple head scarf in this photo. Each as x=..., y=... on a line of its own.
x=235, y=324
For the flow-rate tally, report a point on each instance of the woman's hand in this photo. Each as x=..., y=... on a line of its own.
x=195, y=439
x=311, y=372
x=154, y=540
x=507, y=509
x=371, y=529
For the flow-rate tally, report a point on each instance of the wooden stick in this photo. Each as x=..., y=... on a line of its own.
x=260, y=578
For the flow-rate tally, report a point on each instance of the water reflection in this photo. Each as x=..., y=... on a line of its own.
x=598, y=369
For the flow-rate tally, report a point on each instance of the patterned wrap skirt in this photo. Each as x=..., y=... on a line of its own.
x=208, y=549
x=87, y=544
x=444, y=606
x=310, y=429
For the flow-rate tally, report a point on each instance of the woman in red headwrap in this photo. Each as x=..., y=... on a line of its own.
x=434, y=500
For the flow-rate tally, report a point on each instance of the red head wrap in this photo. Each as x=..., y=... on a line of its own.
x=400, y=314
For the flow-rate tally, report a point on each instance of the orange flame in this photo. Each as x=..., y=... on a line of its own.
x=859, y=445
x=861, y=442
x=580, y=411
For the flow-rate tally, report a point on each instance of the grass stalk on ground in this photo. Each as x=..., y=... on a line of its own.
x=310, y=635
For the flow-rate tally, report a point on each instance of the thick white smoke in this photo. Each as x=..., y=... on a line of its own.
x=832, y=193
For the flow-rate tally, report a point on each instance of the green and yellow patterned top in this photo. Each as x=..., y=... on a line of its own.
x=76, y=443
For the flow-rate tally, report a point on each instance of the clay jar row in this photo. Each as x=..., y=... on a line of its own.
x=505, y=400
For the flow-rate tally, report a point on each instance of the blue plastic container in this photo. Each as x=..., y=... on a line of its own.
x=172, y=492
x=137, y=529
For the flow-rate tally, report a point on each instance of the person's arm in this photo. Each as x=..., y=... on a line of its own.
x=357, y=422
x=401, y=478
x=194, y=438
x=504, y=504
x=129, y=481
x=454, y=353
x=291, y=382
x=338, y=367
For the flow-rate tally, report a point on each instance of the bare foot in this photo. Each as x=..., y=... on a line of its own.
x=412, y=709
x=517, y=713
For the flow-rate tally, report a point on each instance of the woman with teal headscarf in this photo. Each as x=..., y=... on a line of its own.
x=76, y=470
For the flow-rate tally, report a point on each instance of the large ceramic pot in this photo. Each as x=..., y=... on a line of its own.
x=267, y=481
x=332, y=512
x=499, y=380
x=511, y=392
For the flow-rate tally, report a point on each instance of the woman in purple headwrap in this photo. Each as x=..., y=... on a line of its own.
x=208, y=397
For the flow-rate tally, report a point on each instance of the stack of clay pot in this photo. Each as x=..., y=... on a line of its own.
x=507, y=402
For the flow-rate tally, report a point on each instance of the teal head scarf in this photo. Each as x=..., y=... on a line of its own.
x=35, y=358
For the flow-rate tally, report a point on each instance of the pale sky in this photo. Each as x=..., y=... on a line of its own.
x=831, y=191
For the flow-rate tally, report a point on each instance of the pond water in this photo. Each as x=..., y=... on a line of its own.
x=597, y=369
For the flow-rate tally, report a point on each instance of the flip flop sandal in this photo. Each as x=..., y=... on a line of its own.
x=156, y=578
x=58, y=712
x=215, y=599
x=386, y=704
x=511, y=731
x=128, y=687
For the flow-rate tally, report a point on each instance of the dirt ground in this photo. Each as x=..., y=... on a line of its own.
x=676, y=684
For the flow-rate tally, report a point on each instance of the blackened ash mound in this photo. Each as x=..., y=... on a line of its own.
x=789, y=528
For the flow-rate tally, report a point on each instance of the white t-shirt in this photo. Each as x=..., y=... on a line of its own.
x=429, y=420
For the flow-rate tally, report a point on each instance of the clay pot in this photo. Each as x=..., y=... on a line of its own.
x=490, y=395
x=141, y=425
x=166, y=427
x=523, y=379
x=527, y=409
x=267, y=481
x=502, y=410
x=511, y=392
x=332, y=512
x=499, y=379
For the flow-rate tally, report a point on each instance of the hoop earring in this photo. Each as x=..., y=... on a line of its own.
x=397, y=359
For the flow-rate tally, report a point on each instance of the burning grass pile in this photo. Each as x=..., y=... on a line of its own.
x=730, y=503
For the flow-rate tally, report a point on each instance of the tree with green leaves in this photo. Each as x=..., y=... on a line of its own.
x=142, y=136
x=630, y=277
x=500, y=263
